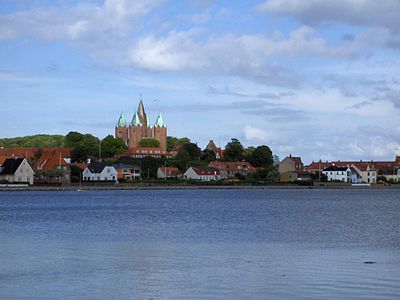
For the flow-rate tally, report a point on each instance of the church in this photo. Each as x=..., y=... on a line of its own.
x=140, y=128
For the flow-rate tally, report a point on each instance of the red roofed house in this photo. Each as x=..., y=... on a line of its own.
x=168, y=172
x=141, y=152
x=231, y=169
x=202, y=173
x=219, y=153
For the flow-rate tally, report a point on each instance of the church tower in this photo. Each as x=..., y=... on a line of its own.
x=140, y=128
x=160, y=132
x=122, y=130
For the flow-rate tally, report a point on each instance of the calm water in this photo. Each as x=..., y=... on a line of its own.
x=200, y=244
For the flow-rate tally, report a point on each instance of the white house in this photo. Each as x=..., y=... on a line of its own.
x=368, y=173
x=202, y=173
x=99, y=171
x=335, y=173
x=16, y=170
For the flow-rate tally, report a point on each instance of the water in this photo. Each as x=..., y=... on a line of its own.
x=200, y=244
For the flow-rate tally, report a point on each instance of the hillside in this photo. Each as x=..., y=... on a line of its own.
x=38, y=140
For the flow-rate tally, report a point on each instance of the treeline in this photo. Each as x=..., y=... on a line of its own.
x=38, y=140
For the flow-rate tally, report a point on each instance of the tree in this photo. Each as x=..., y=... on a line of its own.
x=149, y=142
x=38, y=140
x=171, y=142
x=208, y=155
x=247, y=153
x=266, y=174
x=83, y=146
x=234, y=150
x=262, y=157
x=149, y=166
x=193, y=150
x=111, y=146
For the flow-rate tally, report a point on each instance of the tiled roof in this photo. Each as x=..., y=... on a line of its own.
x=232, y=165
x=2, y=159
x=361, y=165
x=206, y=171
x=28, y=153
x=170, y=171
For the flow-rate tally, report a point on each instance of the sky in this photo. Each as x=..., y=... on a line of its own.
x=318, y=79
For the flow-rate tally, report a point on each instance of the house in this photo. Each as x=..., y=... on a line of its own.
x=232, y=169
x=16, y=170
x=168, y=172
x=355, y=175
x=127, y=172
x=141, y=152
x=219, y=153
x=370, y=170
x=335, y=173
x=202, y=173
x=99, y=171
x=290, y=168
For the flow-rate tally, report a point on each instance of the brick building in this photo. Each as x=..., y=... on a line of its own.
x=140, y=128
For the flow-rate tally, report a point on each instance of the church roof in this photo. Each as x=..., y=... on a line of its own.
x=121, y=121
x=140, y=109
x=136, y=120
x=160, y=121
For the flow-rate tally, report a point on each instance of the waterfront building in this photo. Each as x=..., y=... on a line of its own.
x=219, y=153
x=139, y=128
x=16, y=170
x=127, y=172
x=335, y=173
x=168, y=172
x=99, y=171
x=232, y=169
x=290, y=168
x=202, y=173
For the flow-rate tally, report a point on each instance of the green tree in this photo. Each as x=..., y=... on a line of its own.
x=193, y=150
x=171, y=142
x=149, y=166
x=72, y=139
x=262, y=157
x=208, y=155
x=83, y=146
x=149, y=142
x=247, y=153
x=111, y=146
x=234, y=151
x=38, y=140
x=269, y=175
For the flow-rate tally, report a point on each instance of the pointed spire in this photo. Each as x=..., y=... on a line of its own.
x=160, y=121
x=136, y=120
x=121, y=121
x=140, y=109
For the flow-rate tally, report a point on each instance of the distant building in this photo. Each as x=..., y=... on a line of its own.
x=141, y=152
x=127, y=172
x=99, y=171
x=219, y=153
x=16, y=170
x=168, y=172
x=335, y=173
x=290, y=168
x=140, y=128
x=232, y=169
x=202, y=173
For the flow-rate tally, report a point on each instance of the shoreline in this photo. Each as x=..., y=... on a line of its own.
x=188, y=187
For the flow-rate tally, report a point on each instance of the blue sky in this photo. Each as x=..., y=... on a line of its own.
x=319, y=79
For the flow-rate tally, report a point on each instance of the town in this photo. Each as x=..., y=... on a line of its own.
x=140, y=152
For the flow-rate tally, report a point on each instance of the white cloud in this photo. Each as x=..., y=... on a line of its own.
x=253, y=134
x=383, y=13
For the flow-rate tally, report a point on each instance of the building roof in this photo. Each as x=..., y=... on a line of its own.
x=232, y=165
x=141, y=112
x=10, y=166
x=121, y=121
x=397, y=160
x=29, y=153
x=160, y=121
x=2, y=159
x=361, y=165
x=49, y=161
x=136, y=120
x=126, y=166
x=170, y=171
x=96, y=167
x=206, y=170
x=211, y=146
x=335, y=168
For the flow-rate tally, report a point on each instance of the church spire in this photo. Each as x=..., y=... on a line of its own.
x=121, y=121
x=141, y=112
x=136, y=120
x=160, y=121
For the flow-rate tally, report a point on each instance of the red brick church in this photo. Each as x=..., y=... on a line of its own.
x=139, y=128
